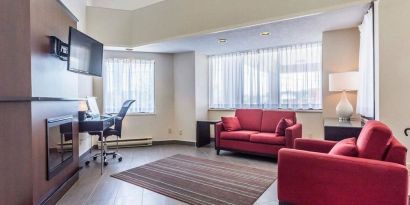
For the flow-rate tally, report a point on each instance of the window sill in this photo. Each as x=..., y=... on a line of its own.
x=141, y=114
x=297, y=111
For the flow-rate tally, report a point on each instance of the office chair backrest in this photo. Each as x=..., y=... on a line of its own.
x=120, y=116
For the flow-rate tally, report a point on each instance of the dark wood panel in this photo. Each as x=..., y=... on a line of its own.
x=40, y=112
x=15, y=78
x=15, y=160
x=340, y=133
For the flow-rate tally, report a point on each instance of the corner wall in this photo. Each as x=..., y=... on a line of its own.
x=394, y=67
x=340, y=54
x=184, y=96
x=149, y=125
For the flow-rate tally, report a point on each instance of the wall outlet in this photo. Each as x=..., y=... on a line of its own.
x=169, y=131
x=180, y=132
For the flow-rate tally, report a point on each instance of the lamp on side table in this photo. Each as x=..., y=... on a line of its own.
x=344, y=82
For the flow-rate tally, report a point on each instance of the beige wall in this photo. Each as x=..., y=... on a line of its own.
x=184, y=96
x=340, y=54
x=158, y=124
x=201, y=86
x=394, y=66
x=110, y=26
x=178, y=18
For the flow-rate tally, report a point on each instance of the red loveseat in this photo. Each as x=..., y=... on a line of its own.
x=258, y=132
x=308, y=175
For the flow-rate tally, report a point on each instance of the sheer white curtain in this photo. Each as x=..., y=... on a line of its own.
x=365, y=93
x=125, y=79
x=287, y=77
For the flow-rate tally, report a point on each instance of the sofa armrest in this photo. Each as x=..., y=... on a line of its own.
x=323, y=146
x=218, y=129
x=312, y=178
x=291, y=133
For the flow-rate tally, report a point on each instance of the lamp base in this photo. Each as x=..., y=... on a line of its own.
x=341, y=119
x=344, y=109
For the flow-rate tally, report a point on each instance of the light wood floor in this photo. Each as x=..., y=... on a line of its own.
x=92, y=188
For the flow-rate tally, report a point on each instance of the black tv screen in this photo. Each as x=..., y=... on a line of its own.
x=85, y=54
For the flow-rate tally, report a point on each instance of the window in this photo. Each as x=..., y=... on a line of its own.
x=287, y=77
x=126, y=79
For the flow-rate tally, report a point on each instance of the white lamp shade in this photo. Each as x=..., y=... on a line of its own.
x=347, y=81
x=83, y=106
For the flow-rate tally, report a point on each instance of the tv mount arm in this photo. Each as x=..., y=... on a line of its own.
x=59, y=48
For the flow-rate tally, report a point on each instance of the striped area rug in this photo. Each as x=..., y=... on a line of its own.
x=201, y=181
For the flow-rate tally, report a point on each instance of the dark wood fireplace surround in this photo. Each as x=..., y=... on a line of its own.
x=27, y=73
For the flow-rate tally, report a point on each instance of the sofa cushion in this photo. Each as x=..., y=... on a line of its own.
x=346, y=147
x=231, y=123
x=396, y=152
x=373, y=140
x=282, y=125
x=242, y=135
x=250, y=119
x=268, y=138
x=270, y=119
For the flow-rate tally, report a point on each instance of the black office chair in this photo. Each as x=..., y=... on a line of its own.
x=116, y=131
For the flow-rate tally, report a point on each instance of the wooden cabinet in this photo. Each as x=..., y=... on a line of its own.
x=338, y=130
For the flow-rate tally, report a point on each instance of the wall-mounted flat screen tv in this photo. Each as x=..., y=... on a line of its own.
x=85, y=54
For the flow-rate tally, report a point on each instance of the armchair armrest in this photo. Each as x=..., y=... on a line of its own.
x=323, y=146
x=291, y=133
x=312, y=178
x=218, y=129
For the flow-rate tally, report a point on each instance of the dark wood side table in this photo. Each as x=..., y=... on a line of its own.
x=336, y=130
x=203, y=131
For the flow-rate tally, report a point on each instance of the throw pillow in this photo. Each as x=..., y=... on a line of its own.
x=346, y=147
x=282, y=125
x=231, y=123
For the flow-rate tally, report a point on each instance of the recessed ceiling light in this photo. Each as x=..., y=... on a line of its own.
x=265, y=33
x=222, y=40
x=129, y=49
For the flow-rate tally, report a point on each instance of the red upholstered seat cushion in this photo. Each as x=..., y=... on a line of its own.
x=231, y=123
x=282, y=125
x=250, y=119
x=268, y=138
x=242, y=135
x=373, y=140
x=271, y=118
x=346, y=147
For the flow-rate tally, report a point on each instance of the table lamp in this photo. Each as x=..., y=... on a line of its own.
x=83, y=108
x=344, y=82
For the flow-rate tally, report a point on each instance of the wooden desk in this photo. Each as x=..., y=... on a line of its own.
x=336, y=130
x=203, y=132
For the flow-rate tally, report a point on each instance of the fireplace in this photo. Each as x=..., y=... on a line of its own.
x=59, y=144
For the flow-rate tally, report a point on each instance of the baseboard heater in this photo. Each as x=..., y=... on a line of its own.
x=122, y=143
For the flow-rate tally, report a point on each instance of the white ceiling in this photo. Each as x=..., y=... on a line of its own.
x=121, y=4
x=293, y=31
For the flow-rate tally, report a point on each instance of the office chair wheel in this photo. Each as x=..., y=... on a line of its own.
x=105, y=163
x=114, y=156
x=87, y=163
x=94, y=158
x=120, y=159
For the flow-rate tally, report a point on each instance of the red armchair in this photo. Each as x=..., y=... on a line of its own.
x=308, y=175
x=258, y=132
